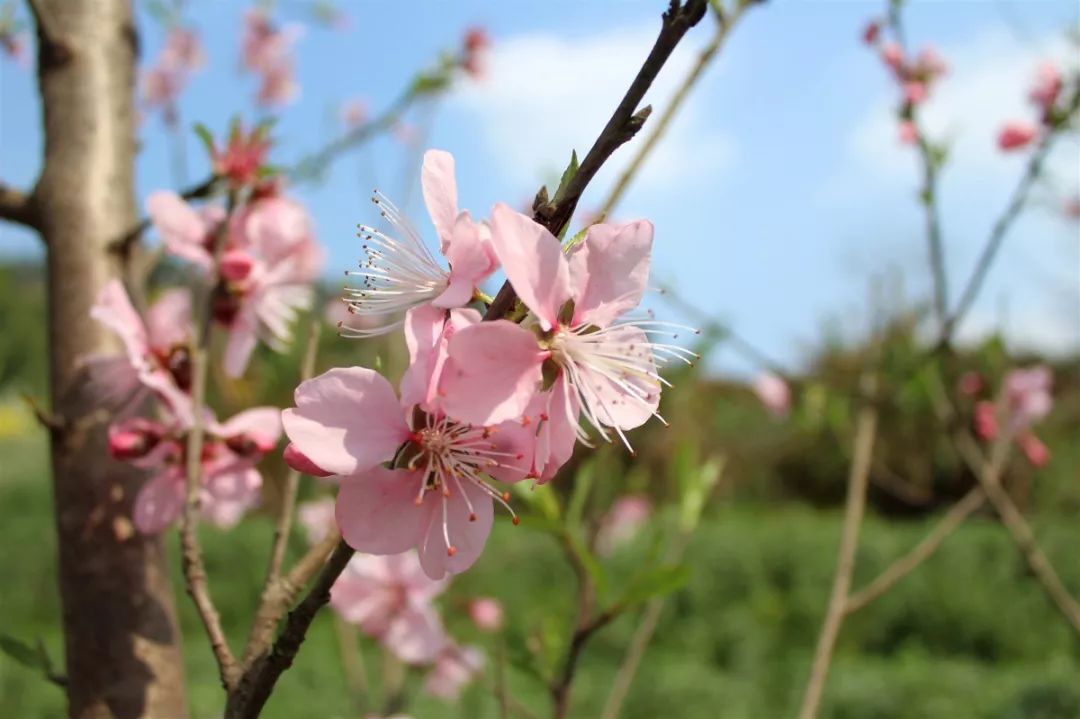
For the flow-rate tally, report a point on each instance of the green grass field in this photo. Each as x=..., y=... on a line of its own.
x=968, y=635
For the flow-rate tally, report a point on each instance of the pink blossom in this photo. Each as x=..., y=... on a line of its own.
x=354, y=113
x=161, y=88
x=454, y=668
x=625, y=518
x=1047, y=88
x=893, y=56
x=907, y=132
x=242, y=157
x=1034, y=450
x=14, y=45
x=914, y=92
x=986, y=423
x=774, y=394
x=302, y=463
x=1016, y=135
x=230, y=482
x=474, y=53
x=401, y=273
x=269, y=261
x=970, y=384
x=608, y=366
x=1027, y=396
x=930, y=65
x=349, y=422
x=486, y=613
x=389, y=598
x=278, y=86
x=317, y=519
x=183, y=51
x=157, y=350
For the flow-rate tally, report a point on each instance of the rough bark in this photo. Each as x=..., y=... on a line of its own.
x=122, y=643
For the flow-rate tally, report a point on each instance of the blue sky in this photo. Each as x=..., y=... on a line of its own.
x=778, y=192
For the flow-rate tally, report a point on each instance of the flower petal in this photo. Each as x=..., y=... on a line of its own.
x=610, y=271
x=440, y=192
x=159, y=502
x=467, y=537
x=471, y=259
x=181, y=228
x=346, y=420
x=492, y=373
x=168, y=321
x=376, y=510
x=415, y=634
x=302, y=463
x=114, y=310
x=533, y=261
x=620, y=397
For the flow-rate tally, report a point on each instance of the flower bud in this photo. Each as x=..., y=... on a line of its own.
x=486, y=613
x=236, y=265
x=301, y=463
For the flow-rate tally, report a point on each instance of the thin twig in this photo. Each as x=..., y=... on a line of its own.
x=191, y=552
x=292, y=478
x=17, y=206
x=858, y=479
x=724, y=24
x=903, y=566
x=623, y=125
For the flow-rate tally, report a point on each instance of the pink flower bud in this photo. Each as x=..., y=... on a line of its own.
x=871, y=32
x=486, y=613
x=970, y=384
x=907, y=132
x=300, y=462
x=1016, y=135
x=930, y=64
x=914, y=92
x=1034, y=450
x=986, y=424
x=133, y=439
x=236, y=265
x=1047, y=87
x=774, y=394
x=893, y=56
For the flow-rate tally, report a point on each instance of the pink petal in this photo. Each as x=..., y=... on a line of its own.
x=302, y=463
x=114, y=310
x=182, y=230
x=533, y=261
x=261, y=424
x=471, y=259
x=605, y=396
x=376, y=510
x=449, y=516
x=610, y=271
x=346, y=420
x=159, y=502
x=516, y=441
x=415, y=634
x=440, y=192
x=228, y=494
x=168, y=321
x=557, y=436
x=423, y=328
x=493, y=371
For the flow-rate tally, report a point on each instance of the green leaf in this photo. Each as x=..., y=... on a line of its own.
x=577, y=239
x=588, y=560
x=207, y=137
x=658, y=582
x=23, y=653
x=540, y=497
x=579, y=495
x=567, y=176
x=696, y=490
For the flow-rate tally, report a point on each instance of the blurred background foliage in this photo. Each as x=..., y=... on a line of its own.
x=968, y=634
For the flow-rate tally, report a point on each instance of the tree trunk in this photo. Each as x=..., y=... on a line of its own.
x=122, y=643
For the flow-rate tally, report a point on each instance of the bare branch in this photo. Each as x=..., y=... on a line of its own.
x=17, y=206
x=623, y=125
x=53, y=47
x=854, y=507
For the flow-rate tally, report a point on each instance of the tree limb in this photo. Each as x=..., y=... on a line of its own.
x=17, y=206
x=623, y=125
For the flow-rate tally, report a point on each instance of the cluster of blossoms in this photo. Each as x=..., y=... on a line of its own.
x=257, y=260
x=482, y=402
x=1045, y=95
x=1025, y=399
x=392, y=600
x=157, y=364
x=266, y=51
x=162, y=84
x=915, y=76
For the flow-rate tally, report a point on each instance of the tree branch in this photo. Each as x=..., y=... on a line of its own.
x=17, y=206
x=855, y=505
x=623, y=125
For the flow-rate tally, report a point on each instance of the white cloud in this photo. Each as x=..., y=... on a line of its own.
x=546, y=94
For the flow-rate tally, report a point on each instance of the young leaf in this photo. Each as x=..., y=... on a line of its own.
x=567, y=176
x=207, y=138
x=656, y=583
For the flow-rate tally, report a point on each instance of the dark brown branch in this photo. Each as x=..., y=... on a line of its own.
x=255, y=686
x=17, y=206
x=623, y=125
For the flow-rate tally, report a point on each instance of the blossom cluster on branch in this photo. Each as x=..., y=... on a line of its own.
x=483, y=403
